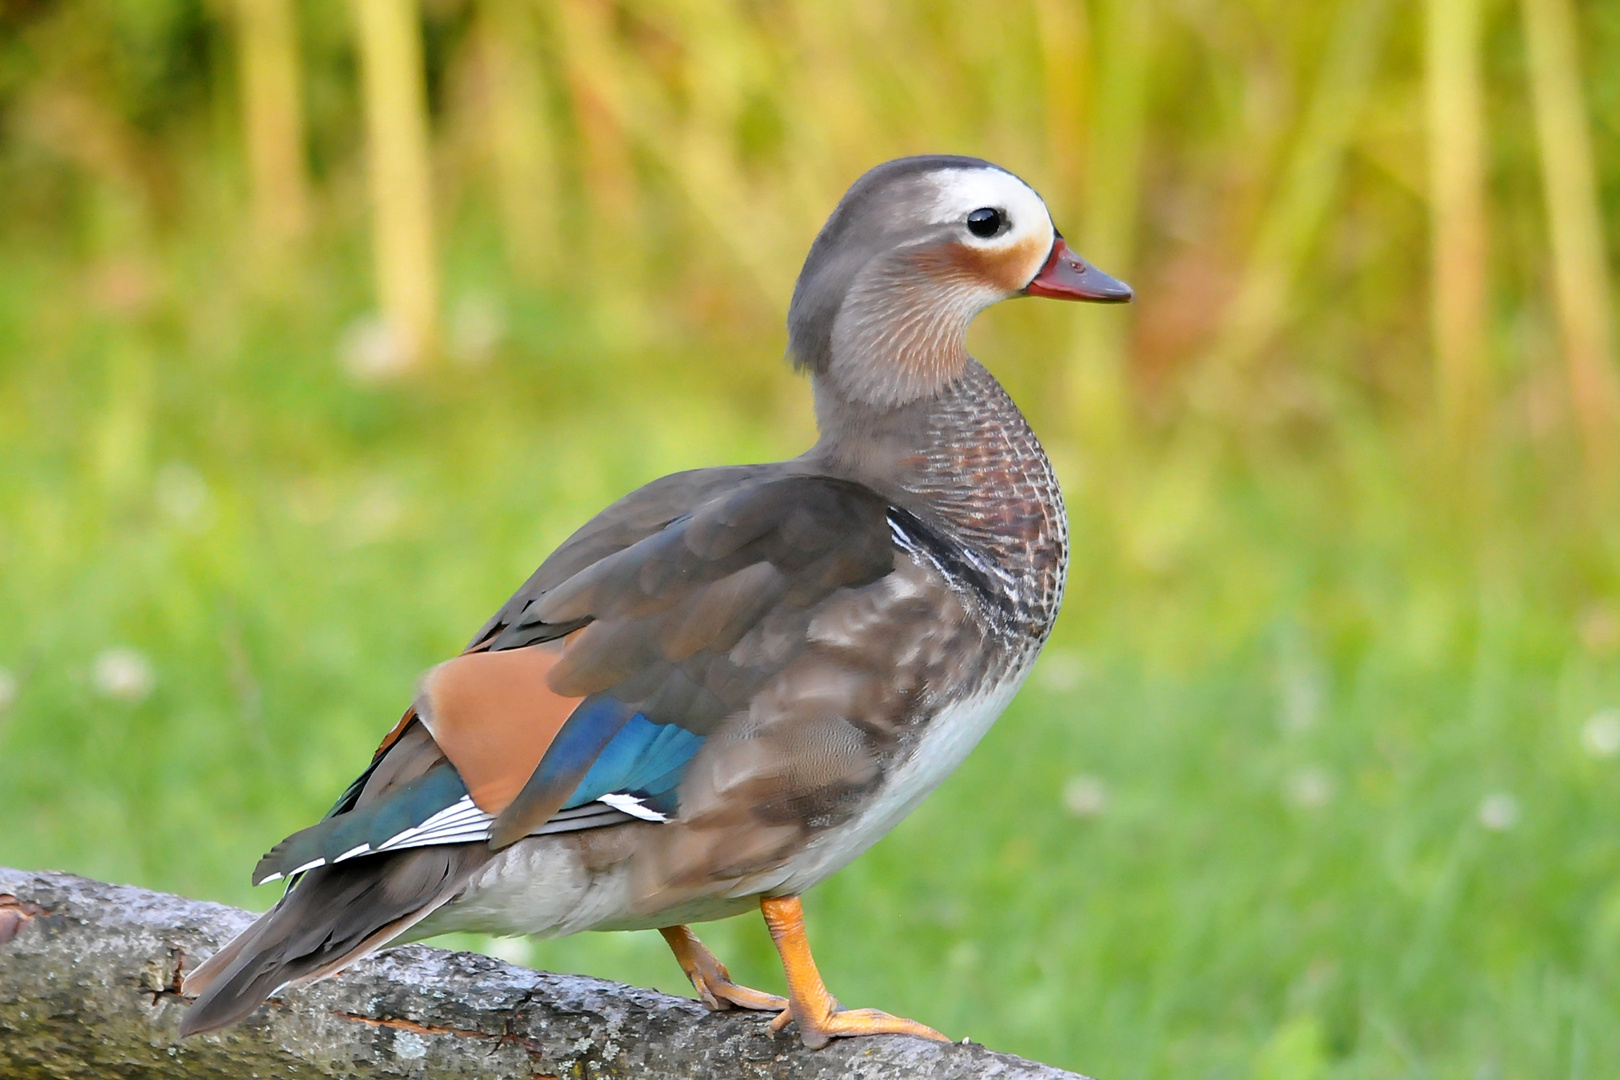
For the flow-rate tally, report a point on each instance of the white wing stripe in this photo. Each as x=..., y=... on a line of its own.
x=360, y=849
x=631, y=805
x=462, y=822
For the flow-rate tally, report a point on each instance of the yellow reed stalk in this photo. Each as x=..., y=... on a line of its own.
x=832, y=126
x=1304, y=196
x=584, y=30
x=709, y=161
x=393, y=84
x=272, y=107
x=1458, y=221
x=1580, y=266
x=1098, y=386
x=1064, y=40
x=697, y=148
x=519, y=136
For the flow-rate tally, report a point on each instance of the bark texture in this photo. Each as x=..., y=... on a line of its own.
x=89, y=977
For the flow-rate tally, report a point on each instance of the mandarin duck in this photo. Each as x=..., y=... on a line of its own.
x=734, y=680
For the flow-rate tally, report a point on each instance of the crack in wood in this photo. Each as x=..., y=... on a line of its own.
x=14, y=915
x=401, y=1024
x=508, y=1037
x=171, y=989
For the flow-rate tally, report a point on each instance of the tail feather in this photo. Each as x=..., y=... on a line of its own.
x=199, y=979
x=333, y=916
x=365, y=828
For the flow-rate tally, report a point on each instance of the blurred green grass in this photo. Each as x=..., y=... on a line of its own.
x=1319, y=777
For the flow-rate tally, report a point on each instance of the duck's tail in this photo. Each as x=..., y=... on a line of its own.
x=331, y=917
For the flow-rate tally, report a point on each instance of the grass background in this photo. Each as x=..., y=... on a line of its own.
x=1318, y=778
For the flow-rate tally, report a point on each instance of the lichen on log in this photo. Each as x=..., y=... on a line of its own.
x=89, y=987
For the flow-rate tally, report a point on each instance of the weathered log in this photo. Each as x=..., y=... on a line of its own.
x=89, y=987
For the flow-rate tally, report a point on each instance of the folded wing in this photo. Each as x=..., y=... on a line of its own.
x=583, y=702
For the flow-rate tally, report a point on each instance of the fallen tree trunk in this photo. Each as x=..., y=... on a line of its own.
x=89, y=987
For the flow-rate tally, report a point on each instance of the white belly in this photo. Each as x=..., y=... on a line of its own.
x=949, y=738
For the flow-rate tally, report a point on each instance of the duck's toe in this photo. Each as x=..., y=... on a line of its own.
x=743, y=997
x=710, y=978
x=818, y=1031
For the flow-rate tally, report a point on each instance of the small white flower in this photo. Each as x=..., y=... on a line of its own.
x=1061, y=670
x=122, y=674
x=8, y=689
x=1308, y=788
x=1301, y=690
x=964, y=955
x=311, y=500
x=477, y=329
x=1601, y=733
x=1600, y=629
x=181, y=492
x=1085, y=796
x=372, y=350
x=373, y=515
x=1499, y=811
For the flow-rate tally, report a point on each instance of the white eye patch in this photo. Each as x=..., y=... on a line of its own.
x=962, y=191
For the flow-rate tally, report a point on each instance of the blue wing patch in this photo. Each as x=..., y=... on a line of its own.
x=645, y=760
x=636, y=768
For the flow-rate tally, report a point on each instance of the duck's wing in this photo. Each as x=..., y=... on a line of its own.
x=640, y=514
x=634, y=517
x=584, y=699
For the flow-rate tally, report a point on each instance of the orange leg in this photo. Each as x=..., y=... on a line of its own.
x=820, y=1017
x=709, y=976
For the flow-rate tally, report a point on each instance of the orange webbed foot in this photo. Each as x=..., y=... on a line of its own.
x=710, y=978
x=818, y=1031
x=821, y=1019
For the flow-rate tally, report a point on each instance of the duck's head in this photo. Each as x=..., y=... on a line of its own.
x=915, y=249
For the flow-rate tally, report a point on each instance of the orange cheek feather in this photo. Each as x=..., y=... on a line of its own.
x=1008, y=269
x=493, y=715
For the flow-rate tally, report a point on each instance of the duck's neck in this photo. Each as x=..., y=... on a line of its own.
x=966, y=461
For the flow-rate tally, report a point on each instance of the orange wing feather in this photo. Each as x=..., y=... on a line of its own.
x=493, y=715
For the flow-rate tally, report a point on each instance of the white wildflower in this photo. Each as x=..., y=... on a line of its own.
x=1308, y=788
x=1060, y=670
x=123, y=674
x=1499, y=811
x=373, y=516
x=1085, y=796
x=181, y=493
x=1601, y=733
x=371, y=350
x=477, y=329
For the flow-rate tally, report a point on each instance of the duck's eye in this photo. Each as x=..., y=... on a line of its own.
x=985, y=221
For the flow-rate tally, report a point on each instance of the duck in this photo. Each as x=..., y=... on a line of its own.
x=734, y=680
